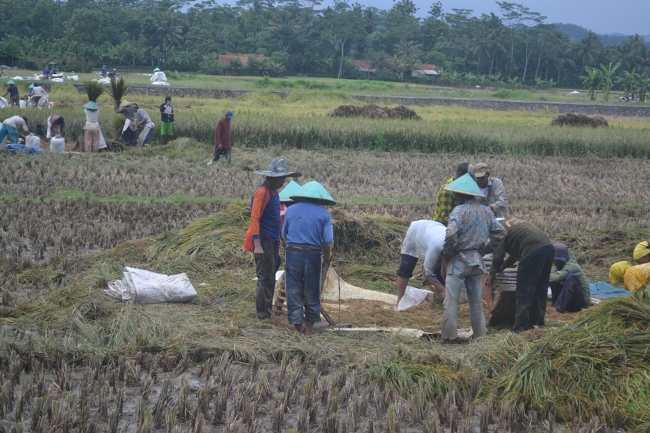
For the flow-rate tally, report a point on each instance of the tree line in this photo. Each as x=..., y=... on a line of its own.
x=511, y=45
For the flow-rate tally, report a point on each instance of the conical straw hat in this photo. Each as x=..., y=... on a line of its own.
x=465, y=185
x=289, y=190
x=313, y=192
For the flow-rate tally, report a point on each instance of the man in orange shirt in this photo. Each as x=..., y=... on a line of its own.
x=265, y=230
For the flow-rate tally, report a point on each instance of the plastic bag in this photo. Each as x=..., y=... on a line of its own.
x=144, y=287
x=414, y=296
x=57, y=145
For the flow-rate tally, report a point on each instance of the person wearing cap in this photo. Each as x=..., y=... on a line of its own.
x=167, y=120
x=446, y=201
x=423, y=240
x=635, y=278
x=308, y=236
x=222, y=142
x=472, y=231
x=129, y=135
x=147, y=124
x=641, y=253
x=492, y=188
x=10, y=127
x=569, y=284
x=532, y=248
x=104, y=72
x=91, y=128
x=265, y=229
x=12, y=91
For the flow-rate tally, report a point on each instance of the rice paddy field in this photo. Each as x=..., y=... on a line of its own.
x=74, y=359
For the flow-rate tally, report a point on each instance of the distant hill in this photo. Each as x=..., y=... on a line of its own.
x=576, y=32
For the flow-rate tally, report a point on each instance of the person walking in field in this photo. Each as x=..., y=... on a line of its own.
x=167, y=120
x=569, y=284
x=265, y=229
x=446, y=201
x=222, y=142
x=12, y=91
x=147, y=124
x=532, y=248
x=423, y=240
x=10, y=127
x=91, y=128
x=308, y=236
x=492, y=188
x=472, y=231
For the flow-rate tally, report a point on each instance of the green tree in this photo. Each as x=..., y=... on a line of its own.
x=586, y=50
x=607, y=74
x=592, y=80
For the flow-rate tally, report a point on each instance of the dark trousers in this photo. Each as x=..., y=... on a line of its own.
x=129, y=137
x=568, y=296
x=265, y=270
x=222, y=152
x=303, y=270
x=533, y=274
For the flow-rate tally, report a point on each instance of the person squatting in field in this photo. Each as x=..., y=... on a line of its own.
x=472, y=231
x=266, y=228
x=308, y=236
x=222, y=141
x=569, y=284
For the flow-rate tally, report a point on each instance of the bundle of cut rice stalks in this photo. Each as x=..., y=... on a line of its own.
x=118, y=90
x=94, y=90
x=598, y=365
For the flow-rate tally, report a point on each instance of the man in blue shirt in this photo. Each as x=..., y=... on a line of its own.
x=308, y=235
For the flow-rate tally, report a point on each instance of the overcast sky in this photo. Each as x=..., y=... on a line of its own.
x=601, y=16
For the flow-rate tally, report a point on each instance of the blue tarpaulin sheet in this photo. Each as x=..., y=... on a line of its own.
x=602, y=289
x=15, y=148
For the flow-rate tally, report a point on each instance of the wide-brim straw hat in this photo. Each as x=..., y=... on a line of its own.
x=91, y=106
x=289, y=190
x=278, y=168
x=313, y=192
x=465, y=185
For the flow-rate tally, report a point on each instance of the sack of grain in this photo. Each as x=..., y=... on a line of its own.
x=57, y=145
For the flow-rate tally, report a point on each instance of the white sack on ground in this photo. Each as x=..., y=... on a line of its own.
x=144, y=287
x=158, y=76
x=413, y=297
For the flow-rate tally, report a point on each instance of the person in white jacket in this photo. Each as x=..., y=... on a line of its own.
x=144, y=120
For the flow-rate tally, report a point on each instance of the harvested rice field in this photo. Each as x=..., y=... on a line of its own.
x=74, y=359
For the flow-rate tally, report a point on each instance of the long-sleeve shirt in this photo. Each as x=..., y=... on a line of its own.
x=265, y=213
x=12, y=90
x=424, y=240
x=167, y=113
x=445, y=203
x=16, y=121
x=308, y=224
x=128, y=112
x=472, y=231
x=495, y=197
x=558, y=276
x=143, y=117
x=637, y=277
x=222, y=136
x=523, y=238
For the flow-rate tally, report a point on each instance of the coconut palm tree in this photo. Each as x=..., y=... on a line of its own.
x=586, y=49
x=169, y=30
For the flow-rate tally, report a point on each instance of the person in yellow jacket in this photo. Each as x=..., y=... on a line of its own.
x=641, y=253
x=635, y=278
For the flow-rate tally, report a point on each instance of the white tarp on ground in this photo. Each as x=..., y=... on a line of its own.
x=144, y=287
x=158, y=76
x=160, y=83
x=348, y=291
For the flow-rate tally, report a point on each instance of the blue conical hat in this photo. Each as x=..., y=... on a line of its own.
x=465, y=185
x=289, y=190
x=313, y=192
x=11, y=82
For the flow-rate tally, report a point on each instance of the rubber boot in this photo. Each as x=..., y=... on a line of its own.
x=163, y=140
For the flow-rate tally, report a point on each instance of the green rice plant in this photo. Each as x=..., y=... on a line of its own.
x=118, y=89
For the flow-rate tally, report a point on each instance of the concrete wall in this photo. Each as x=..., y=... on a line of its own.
x=628, y=110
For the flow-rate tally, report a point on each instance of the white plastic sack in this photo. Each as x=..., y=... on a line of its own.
x=57, y=145
x=32, y=140
x=144, y=287
x=73, y=77
x=22, y=104
x=160, y=83
x=57, y=80
x=158, y=77
x=414, y=296
x=3, y=102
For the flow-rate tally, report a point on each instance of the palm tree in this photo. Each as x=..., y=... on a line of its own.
x=586, y=49
x=592, y=80
x=628, y=82
x=496, y=79
x=562, y=55
x=469, y=76
x=626, y=55
x=407, y=54
x=607, y=78
x=170, y=32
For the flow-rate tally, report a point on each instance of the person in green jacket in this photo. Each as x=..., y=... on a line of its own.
x=569, y=284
